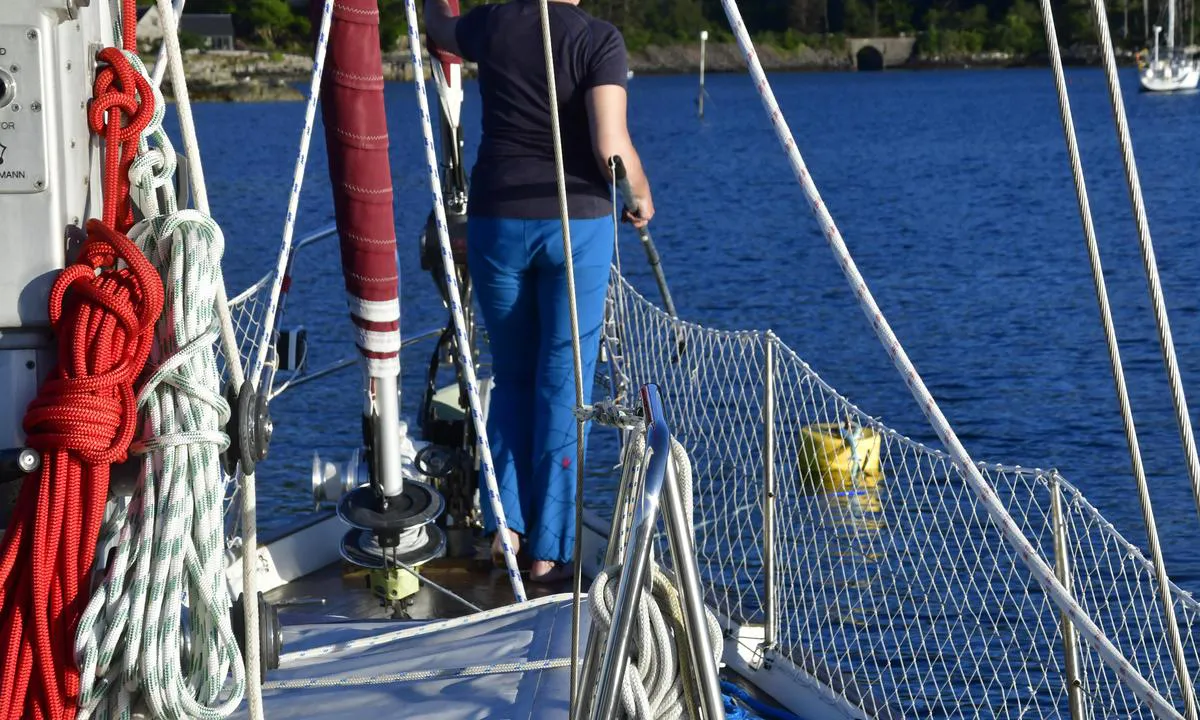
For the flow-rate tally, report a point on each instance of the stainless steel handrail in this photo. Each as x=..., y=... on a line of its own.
x=657, y=479
x=632, y=477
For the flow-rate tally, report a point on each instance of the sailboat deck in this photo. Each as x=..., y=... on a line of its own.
x=340, y=590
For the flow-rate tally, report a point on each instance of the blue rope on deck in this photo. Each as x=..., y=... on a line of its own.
x=739, y=704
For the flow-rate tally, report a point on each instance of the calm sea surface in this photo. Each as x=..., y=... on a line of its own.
x=954, y=193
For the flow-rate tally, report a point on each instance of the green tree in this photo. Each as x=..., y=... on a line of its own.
x=858, y=17
x=807, y=16
x=393, y=24
x=895, y=16
x=1021, y=30
x=191, y=41
x=267, y=20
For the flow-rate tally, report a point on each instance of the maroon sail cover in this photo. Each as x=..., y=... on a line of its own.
x=356, y=139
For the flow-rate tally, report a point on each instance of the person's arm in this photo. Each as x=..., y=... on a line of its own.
x=440, y=25
x=610, y=136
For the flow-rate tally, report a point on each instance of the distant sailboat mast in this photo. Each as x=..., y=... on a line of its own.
x=1170, y=27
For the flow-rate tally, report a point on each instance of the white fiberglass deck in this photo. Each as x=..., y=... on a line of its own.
x=512, y=662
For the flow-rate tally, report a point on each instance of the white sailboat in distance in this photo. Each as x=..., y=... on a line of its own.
x=1170, y=71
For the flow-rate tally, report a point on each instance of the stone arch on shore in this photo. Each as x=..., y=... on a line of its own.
x=868, y=58
x=877, y=53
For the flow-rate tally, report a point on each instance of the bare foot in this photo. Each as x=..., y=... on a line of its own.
x=546, y=571
x=514, y=541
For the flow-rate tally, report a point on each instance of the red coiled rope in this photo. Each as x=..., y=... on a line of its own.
x=82, y=420
x=120, y=89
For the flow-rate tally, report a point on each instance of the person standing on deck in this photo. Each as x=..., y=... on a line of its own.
x=515, y=245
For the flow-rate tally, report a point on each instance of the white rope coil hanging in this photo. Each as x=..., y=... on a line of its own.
x=169, y=537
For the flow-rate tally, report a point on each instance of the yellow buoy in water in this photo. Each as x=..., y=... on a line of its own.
x=834, y=458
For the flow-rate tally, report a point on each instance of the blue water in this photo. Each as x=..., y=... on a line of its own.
x=954, y=194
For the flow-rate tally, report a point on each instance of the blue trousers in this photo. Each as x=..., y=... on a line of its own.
x=519, y=273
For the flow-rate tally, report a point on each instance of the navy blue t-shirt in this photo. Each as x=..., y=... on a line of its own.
x=514, y=170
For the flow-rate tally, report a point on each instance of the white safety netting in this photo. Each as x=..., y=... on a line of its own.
x=248, y=308
x=893, y=586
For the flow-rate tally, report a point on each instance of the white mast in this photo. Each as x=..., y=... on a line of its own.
x=1170, y=25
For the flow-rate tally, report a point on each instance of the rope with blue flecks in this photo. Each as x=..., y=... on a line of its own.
x=462, y=342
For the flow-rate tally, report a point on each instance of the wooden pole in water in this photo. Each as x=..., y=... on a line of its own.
x=700, y=100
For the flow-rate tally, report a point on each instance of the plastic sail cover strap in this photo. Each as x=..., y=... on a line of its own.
x=169, y=537
x=456, y=310
x=988, y=499
x=1114, y=357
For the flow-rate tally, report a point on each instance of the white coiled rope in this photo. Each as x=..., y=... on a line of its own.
x=169, y=537
x=991, y=503
x=233, y=358
x=653, y=687
x=466, y=362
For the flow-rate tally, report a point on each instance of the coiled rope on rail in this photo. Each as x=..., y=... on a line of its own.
x=103, y=309
x=653, y=686
x=984, y=492
x=169, y=537
x=82, y=421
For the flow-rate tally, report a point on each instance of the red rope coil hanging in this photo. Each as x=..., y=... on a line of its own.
x=103, y=310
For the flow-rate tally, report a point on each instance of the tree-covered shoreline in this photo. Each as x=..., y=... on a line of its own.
x=947, y=32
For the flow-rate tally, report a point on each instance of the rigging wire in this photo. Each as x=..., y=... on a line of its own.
x=1114, y=358
x=985, y=493
x=561, y=183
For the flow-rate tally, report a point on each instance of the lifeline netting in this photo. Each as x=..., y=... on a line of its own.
x=893, y=585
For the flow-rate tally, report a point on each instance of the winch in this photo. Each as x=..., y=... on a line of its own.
x=390, y=536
